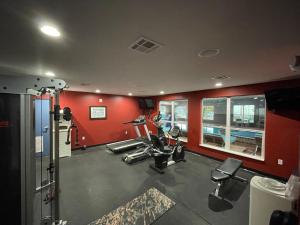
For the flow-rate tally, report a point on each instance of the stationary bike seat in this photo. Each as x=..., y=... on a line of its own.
x=167, y=150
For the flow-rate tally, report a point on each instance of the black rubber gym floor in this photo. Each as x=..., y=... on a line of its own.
x=95, y=182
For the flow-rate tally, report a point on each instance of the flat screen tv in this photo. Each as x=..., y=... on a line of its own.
x=149, y=103
x=146, y=103
x=281, y=99
x=142, y=103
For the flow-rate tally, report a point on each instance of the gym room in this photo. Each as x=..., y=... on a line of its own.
x=140, y=112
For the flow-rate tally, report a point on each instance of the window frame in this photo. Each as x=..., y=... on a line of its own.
x=228, y=129
x=172, y=121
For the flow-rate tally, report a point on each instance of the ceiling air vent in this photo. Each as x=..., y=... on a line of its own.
x=144, y=45
x=85, y=84
x=220, y=77
x=207, y=53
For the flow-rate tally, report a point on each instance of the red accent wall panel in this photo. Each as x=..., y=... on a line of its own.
x=120, y=109
x=282, y=131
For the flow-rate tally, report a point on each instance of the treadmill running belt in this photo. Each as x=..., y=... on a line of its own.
x=124, y=145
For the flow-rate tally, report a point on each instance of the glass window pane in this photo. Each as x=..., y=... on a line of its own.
x=214, y=111
x=249, y=142
x=174, y=113
x=248, y=111
x=214, y=136
x=180, y=111
x=166, y=126
x=165, y=108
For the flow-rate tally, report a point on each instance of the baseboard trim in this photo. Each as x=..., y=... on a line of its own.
x=90, y=146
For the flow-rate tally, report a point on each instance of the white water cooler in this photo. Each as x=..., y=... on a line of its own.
x=267, y=195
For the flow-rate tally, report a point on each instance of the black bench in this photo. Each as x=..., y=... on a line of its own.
x=226, y=171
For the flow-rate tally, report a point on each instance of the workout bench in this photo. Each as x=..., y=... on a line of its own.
x=225, y=172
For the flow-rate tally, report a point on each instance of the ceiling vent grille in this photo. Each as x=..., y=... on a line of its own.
x=207, y=53
x=220, y=77
x=144, y=45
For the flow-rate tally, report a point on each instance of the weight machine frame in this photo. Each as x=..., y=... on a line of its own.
x=27, y=86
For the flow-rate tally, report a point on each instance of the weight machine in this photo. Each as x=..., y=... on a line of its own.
x=17, y=136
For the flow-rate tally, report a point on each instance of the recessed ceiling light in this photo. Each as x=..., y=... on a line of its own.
x=50, y=74
x=209, y=52
x=50, y=31
x=97, y=91
x=130, y=94
x=219, y=84
x=161, y=92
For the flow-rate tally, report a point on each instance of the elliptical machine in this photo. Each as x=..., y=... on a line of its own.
x=160, y=132
x=161, y=152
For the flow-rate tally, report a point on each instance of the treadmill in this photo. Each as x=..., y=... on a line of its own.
x=145, y=152
x=121, y=146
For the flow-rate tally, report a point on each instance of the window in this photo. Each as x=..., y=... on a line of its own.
x=214, y=121
x=235, y=125
x=175, y=113
x=243, y=113
x=208, y=112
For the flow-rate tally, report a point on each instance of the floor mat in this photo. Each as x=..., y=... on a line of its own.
x=143, y=210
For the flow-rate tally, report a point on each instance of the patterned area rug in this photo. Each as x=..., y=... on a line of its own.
x=143, y=210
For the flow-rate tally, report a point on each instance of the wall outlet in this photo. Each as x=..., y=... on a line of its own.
x=126, y=132
x=83, y=138
x=280, y=162
x=100, y=100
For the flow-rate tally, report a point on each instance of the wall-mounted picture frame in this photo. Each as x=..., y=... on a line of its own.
x=98, y=112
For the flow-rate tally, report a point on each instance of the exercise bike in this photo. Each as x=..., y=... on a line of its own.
x=161, y=152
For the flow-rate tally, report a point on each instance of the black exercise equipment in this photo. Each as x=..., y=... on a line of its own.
x=122, y=146
x=162, y=153
x=143, y=152
x=226, y=171
x=160, y=132
x=67, y=114
x=73, y=126
x=283, y=218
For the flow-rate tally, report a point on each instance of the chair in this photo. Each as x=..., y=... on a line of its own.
x=258, y=142
x=238, y=122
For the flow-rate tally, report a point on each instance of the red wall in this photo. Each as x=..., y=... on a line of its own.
x=120, y=109
x=282, y=131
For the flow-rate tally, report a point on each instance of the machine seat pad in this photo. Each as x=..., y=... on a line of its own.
x=217, y=176
x=230, y=166
x=167, y=150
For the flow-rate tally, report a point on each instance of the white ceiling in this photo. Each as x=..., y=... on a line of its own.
x=258, y=40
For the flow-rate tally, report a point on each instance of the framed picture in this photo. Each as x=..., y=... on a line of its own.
x=98, y=112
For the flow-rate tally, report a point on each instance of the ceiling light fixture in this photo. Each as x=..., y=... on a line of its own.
x=50, y=74
x=219, y=84
x=161, y=92
x=130, y=94
x=97, y=91
x=50, y=31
